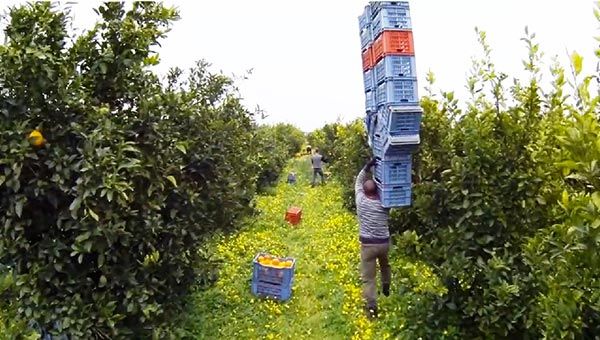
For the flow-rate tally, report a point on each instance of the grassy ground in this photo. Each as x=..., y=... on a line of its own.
x=326, y=299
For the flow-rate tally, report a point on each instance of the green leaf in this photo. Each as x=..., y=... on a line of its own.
x=88, y=246
x=19, y=208
x=83, y=237
x=75, y=206
x=172, y=180
x=181, y=148
x=465, y=204
x=93, y=214
x=567, y=164
x=577, y=61
x=103, y=281
x=101, y=260
x=596, y=199
x=565, y=197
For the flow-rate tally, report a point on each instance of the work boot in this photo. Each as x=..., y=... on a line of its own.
x=371, y=312
x=386, y=289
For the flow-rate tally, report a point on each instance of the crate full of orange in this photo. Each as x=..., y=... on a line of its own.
x=273, y=276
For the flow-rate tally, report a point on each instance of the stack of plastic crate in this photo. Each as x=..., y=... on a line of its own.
x=393, y=114
x=366, y=42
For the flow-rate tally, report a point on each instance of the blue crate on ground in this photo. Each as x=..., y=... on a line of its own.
x=269, y=290
x=398, y=91
x=394, y=195
x=402, y=120
x=395, y=171
x=369, y=80
x=370, y=101
x=376, y=6
x=391, y=17
x=395, y=66
x=366, y=36
x=281, y=276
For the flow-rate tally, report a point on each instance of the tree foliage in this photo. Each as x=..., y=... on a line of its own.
x=275, y=144
x=101, y=225
x=345, y=147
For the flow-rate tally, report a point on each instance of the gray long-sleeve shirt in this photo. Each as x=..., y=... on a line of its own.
x=372, y=217
x=317, y=161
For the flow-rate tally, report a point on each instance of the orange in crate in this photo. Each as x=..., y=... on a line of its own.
x=393, y=43
x=367, y=58
x=293, y=215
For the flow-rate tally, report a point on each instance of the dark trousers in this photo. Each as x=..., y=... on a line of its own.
x=318, y=171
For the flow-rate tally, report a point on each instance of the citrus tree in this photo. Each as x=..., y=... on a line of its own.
x=104, y=207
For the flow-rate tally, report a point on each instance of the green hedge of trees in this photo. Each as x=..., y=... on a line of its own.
x=100, y=226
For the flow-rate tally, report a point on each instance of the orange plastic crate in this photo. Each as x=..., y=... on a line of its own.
x=293, y=215
x=393, y=43
x=367, y=59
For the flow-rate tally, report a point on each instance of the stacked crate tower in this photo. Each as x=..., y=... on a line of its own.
x=393, y=114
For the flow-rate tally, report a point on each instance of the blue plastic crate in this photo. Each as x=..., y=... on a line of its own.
x=376, y=6
x=379, y=140
x=393, y=152
x=262, y=273
x=391, y=17
x=395, y=195
x=364, y=19
x=370, y=101
x=402, y=120
x=369, y=80
x=395, y=66
x=395, y=171
x=398, y=91
x=274, y=291
x=382, y=148
x=366, y=36
x=370, y=121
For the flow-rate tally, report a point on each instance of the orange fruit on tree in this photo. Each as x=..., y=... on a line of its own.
x=36, y=138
